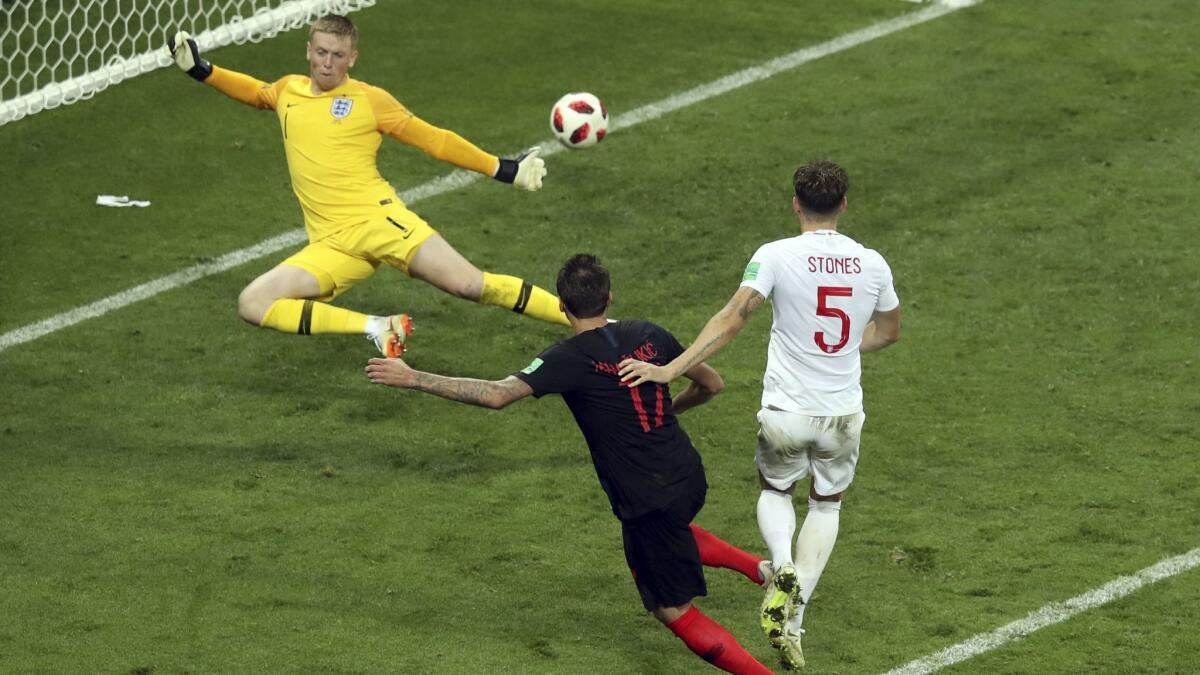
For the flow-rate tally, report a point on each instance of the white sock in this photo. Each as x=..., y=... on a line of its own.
x=376, y=324
x=813, y=547
x=777, y=523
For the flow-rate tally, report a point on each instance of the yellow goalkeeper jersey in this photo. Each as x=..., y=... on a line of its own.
x=331, y=140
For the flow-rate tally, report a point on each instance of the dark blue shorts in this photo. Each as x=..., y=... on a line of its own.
x=662, y=553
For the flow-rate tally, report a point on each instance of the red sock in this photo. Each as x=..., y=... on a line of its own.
x=717, y=553
x=714, y=644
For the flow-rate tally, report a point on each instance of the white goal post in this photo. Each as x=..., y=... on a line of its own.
x=57, y=52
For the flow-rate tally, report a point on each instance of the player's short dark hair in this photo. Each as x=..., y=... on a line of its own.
x=583, y=286
x=821, y=186
x=337, y=25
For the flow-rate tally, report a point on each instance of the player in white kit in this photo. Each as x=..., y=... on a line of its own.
x=833, y=299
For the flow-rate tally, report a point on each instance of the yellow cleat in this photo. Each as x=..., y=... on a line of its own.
x=791, y=657
x=783, y=591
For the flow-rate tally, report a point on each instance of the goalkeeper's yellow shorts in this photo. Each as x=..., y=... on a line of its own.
x=339, y=261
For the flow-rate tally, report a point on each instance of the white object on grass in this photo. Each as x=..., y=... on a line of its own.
x=114, y=200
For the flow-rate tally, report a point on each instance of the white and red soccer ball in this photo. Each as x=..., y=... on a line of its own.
x=579, y=120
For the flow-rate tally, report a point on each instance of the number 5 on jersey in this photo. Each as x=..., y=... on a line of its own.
x=823, y=294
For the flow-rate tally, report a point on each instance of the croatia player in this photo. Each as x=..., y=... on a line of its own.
x=833, y=299
x=644, y=459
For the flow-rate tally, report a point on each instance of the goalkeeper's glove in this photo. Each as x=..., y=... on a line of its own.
x=187, y=56
x=525, y=172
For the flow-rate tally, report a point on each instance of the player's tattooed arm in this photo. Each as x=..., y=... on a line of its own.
x=483, y=393
x=745, y=301
x=718, y=332
x=726, y=324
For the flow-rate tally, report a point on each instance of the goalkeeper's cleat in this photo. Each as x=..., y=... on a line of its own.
x=791, y=657
x=766, y=572
x=393, y=341
x=780, y=602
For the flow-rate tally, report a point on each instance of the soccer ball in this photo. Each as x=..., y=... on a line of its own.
x=579, y=120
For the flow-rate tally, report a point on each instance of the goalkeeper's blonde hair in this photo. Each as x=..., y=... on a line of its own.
x=337, y=25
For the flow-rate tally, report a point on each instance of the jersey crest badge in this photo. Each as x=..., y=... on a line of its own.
x=341, y=108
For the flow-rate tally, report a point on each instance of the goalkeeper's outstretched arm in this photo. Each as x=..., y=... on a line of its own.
x=235, y=85
x=525, y=172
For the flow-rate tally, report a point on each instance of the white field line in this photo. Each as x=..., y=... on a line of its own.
x=458, y=179
x=1055, y=612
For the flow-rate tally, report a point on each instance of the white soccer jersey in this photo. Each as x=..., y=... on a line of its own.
x=824, y=287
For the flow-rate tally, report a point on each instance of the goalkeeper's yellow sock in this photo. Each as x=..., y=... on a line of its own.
x=521, y=297
x=309, y=317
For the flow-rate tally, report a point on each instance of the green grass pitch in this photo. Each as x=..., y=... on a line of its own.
x=180, y=493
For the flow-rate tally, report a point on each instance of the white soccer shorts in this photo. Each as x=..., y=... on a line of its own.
x=792, y=446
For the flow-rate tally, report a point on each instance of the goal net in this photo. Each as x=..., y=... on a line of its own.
x=56, y=52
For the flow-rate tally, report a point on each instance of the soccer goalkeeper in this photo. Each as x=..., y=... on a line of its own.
x=332, y=127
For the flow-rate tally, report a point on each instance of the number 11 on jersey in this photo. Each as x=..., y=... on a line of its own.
x=641, y=409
